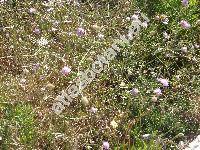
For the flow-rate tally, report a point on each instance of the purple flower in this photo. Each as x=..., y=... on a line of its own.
x=134, y=17
x=185, y=2
x=36, y=31
x=32, y=10
x=65, y=70
x=166, y=35
x=164, y=82
x=100, y=36
x=134, y=91
x=184, y=24
x=157, y=91
x=93, y=110
x=106, y=145
x=80, y=32
x=36, y=67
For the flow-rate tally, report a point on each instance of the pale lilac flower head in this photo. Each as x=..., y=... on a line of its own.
x=134, y=91
x=164, y=82
x=23, y=81
x=157, y=91
x=80, y=32
x=32, y=10
x=50, y=9
x=65, y=70
x=106, y=145
x=134, y=17
x=166, y=35
x=93, y=110
x=100, y=36
x=36, y=31
x=184, y=24
x=185, y=2
x=36, y=67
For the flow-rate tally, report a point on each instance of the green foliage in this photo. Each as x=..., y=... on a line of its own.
x=18, y=124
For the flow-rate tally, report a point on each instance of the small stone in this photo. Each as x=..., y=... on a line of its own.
x=122, y=84
x=114, y=124
x=96, y=27
x=84, y=100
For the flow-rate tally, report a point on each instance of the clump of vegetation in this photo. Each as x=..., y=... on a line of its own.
x=146, y=98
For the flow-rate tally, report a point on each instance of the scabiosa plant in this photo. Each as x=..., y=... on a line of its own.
x=106, y=145
x=65, y=70
x=166, y=35
x=23, y=81
x=32, y=10
x=80, y=32
x=134, y=91
x=134, y=17
x=93, y=110
x=164, y=82
x=36, y=31
x=35, y=67
x=100, y=36
x=185, y=3
x=157, y=91
x=185, y=25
